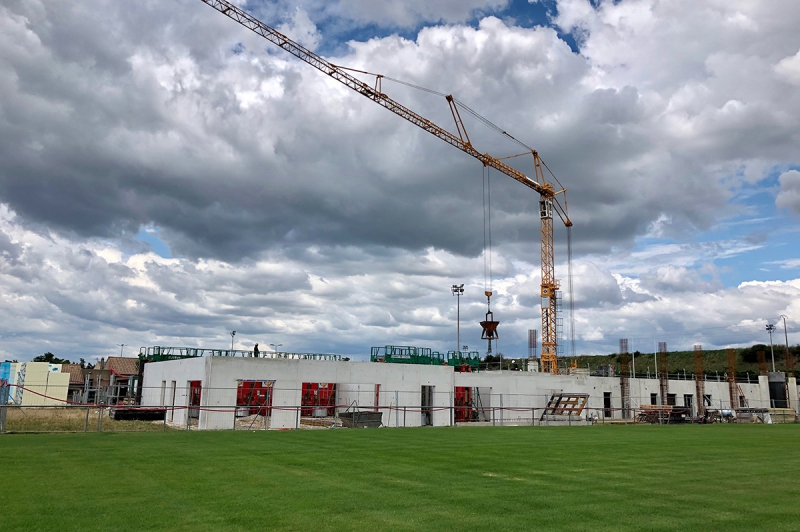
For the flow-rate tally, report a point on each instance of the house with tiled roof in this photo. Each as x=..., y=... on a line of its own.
x=77, y=381
x=123, y=372
x=122, y=367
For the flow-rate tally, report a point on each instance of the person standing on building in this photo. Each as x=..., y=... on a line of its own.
x=255, y=351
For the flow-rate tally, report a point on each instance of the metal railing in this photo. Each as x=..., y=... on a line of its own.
x=172, y=353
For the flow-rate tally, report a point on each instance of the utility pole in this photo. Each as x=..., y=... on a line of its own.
x=770, y=329
x=786, y=337
x=458, y=291
x=233, y=333
x=121, y=348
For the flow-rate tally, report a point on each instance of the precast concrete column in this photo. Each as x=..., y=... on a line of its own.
x=793, y=395
x=763, y=392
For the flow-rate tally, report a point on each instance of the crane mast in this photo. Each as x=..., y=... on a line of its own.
x=548, y=200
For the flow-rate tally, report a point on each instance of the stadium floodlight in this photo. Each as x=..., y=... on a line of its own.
x=458, y=291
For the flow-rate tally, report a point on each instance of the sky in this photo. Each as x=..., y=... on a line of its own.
x=167, y=176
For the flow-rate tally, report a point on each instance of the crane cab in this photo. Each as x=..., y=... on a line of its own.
x=545, y=208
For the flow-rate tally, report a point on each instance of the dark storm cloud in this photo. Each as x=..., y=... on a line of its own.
x=145, y=123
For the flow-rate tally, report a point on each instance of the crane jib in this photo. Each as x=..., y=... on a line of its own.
x=302, y=53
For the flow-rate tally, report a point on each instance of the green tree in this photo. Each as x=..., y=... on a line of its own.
x=51, y=359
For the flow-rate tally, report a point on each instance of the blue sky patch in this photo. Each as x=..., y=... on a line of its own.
x=149, y=235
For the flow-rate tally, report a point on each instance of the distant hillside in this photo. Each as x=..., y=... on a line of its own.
x=714, y=361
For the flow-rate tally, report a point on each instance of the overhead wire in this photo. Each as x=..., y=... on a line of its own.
x=482, y=119
x=490, y=124
x=407, y=84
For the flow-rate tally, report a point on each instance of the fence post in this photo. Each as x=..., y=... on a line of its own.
x=404, y=417
x=502, y=410
x=533, y=417
x=452, y=411
x=100, y=419
x=86, y=421
x=4, y=389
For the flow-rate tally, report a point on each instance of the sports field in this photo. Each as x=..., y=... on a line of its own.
x=715, y=477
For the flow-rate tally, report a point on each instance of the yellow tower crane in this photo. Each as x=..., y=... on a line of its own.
x=548, y=193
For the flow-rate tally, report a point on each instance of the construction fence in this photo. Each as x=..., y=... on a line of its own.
x=260, y=405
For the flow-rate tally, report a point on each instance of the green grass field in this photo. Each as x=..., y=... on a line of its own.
x=713, y=477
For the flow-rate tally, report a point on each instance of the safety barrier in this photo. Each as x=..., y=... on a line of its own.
x=70, y=416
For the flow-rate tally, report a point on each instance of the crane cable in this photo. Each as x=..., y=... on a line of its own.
x=482, y=119
x=487, y=233
x=571, y=292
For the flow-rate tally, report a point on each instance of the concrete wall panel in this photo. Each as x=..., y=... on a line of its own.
x=401, y=387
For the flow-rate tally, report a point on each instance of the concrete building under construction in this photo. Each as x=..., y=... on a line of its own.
x=213, y=391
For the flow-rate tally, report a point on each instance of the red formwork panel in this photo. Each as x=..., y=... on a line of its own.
x=462, y=401
x=195, y=392
x=316, y=395
x=255, y=394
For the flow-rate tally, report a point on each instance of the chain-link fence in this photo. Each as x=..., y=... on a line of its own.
x=261, y=405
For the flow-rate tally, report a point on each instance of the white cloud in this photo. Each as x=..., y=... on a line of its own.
x=412, y=12
x=788, y=264
x=301, y=29
x=789, y=68
x=301, y=210
x=789, y=195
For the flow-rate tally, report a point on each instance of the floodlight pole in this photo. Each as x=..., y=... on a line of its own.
x=771, y=328
x=457, y=291
x=121, y=349
x=786, y=337
x=233, y=333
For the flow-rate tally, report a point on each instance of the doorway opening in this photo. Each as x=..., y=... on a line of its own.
x=427, y=406
x=607, y=412
x=195, y=393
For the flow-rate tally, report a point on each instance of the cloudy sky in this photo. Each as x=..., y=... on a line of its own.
x=167, y=176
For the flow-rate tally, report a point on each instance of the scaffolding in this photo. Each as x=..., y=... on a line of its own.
x=733, y=389
x=624, y=382
x=699, y=379
x=663, y=375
